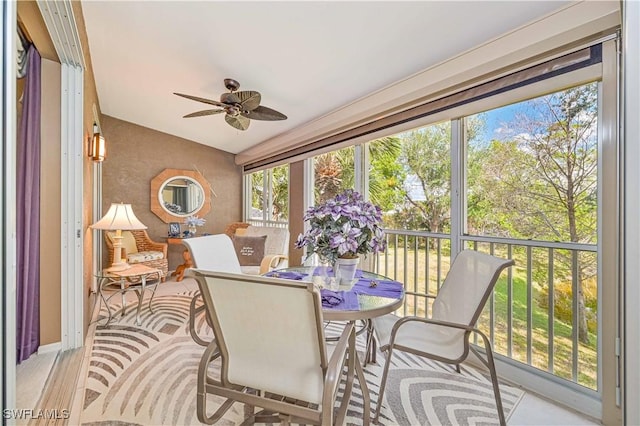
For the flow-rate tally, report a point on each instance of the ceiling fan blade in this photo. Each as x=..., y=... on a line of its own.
x=237, y=121
x=206, y=101
x=264, y=113
x=203, y=113
x=249, y=99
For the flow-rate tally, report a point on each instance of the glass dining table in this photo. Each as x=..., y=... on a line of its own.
x=368, y=296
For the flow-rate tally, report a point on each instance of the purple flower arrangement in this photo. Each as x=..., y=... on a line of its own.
x=344, y=226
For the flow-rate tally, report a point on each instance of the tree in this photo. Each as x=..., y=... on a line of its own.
x=425, y=154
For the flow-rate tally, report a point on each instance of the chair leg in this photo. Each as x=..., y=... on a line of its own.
x=348, y=389
x=458, y=368
x=383, y=383
x=210, y=354
x=494, y=378
x=366, y=398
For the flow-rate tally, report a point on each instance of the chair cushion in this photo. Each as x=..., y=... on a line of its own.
x=436, y=340
x=250, y=250
x=143, y=256
x=250, y=270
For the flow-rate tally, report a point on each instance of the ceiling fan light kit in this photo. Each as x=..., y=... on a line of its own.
x=239, y=107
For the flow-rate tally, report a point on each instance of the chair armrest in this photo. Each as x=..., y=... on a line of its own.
x=405, y=320
x=335, y=365
x=155, y=246
x=270, y=261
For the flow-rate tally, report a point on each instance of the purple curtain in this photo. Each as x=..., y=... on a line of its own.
x=28, y=213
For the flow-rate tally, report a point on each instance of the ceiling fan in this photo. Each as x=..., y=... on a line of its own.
x=240, y=107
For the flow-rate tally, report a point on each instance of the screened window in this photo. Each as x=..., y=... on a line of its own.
x=532, y=168
x=269, y=195
x=410, y=178
x=333, y=172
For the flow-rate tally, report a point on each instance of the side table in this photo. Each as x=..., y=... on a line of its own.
x=133, y=278
x=186, y=255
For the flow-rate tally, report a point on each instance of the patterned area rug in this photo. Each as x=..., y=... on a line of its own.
x=146, y=375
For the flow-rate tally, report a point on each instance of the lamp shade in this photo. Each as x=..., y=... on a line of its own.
x=119, y=217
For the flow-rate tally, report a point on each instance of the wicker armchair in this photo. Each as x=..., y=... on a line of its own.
x=232, y=227
x=143, y=244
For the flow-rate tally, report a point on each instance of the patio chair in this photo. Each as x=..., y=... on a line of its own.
x=270, y=337
x=211, y=253
x=455, y=310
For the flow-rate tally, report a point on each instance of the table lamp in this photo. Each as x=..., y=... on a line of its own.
x=119, y=218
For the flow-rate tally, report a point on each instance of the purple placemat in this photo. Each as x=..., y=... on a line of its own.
x=384, y=288
x=287, y=275
x=339, y=300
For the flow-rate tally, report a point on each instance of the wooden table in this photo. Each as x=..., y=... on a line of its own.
x=186, y=255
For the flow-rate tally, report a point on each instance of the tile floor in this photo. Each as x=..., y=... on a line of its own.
x=31, y=377
x=532, y=410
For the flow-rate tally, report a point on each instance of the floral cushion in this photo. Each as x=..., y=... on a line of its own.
x=144, y=256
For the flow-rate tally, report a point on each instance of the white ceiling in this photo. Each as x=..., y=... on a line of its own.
x=305, y=58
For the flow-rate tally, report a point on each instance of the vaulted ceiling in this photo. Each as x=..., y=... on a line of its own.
x=306, y=58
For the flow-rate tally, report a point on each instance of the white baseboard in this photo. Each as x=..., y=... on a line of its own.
x=51, y=347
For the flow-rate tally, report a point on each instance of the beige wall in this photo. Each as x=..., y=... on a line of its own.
x=50, y=315
x=136, y=154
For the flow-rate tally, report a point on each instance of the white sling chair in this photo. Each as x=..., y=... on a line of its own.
x=445, y=336
x=211, y=253
x=269, y=335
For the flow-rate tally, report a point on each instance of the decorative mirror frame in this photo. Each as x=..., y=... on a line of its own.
x=169, y=174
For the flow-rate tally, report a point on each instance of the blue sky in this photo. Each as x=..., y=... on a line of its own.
x=495, y=119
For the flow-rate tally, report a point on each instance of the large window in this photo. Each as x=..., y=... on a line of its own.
x=528, y=179
x=532, y=174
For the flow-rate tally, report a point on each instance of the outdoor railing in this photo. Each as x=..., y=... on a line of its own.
x=543, y=311
x=272, y=223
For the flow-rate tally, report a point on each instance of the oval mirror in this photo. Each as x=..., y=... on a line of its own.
x=181, y=196
x=179, y=193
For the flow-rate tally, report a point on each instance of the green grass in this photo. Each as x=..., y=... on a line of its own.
x=562, y=331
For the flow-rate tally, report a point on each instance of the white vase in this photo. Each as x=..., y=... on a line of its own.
x=345, y=271
x=192, y=230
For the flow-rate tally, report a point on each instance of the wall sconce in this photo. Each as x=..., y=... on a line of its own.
x=97, y=148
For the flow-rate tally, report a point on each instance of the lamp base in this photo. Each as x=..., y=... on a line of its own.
x=121, y=266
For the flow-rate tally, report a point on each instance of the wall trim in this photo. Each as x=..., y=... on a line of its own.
x=631, y=226
x=51, y=347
